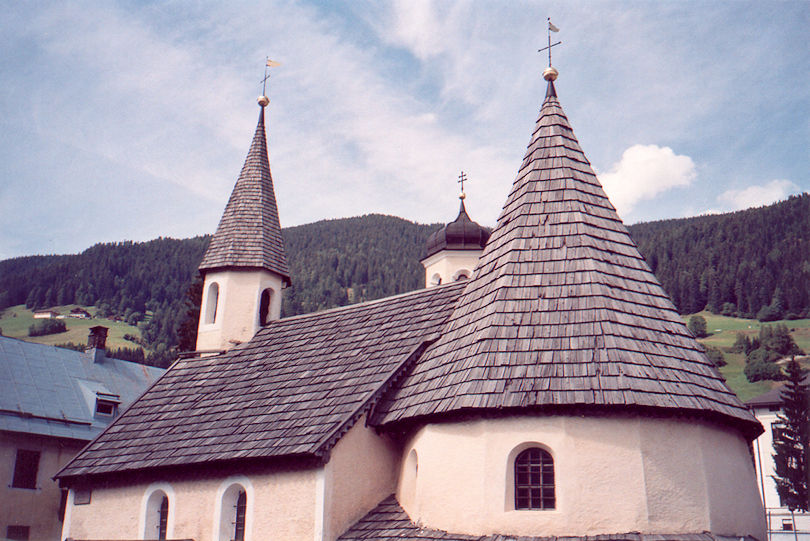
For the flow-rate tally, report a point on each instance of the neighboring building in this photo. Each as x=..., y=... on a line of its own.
x=782, y=524
x=79, y=313
x=556, y=392
x=45, y=314
x=52, y=402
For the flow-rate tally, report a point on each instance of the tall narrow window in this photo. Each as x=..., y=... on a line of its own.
x=163, y=517
x=156, y=521
x=264, y=306
x=25, y=469
x=211, y=303
x=233, y=513
x=534, y=480
x=239, y=523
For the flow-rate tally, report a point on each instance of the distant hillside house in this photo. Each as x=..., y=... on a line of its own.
x=45, y=314
x=547, y=388
x=782, y=524
x=80, y=313
x=52, y=402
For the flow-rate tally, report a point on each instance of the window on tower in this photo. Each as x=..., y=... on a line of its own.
x=534, y=480
x=211, y=303
x=264, y=306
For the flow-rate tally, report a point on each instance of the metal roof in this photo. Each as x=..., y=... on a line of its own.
x=51, y=391
x=460, y=234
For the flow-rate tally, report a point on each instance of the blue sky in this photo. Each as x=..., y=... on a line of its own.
x=130, y=120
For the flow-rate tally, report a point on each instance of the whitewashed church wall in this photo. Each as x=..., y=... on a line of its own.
x=280, y=506
x=237, y=313
x=448, y=263
x=657, y=475
x=361, y=472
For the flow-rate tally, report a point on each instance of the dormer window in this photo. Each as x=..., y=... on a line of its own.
x=107, y=404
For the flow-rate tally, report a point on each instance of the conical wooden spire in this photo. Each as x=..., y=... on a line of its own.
x=249, y=233
x=562, y=310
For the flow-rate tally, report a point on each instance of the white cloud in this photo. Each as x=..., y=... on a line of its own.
x=757, y=196
x=645, y=172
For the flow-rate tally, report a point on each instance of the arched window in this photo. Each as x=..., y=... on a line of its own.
x=233, y=514
x=462, y=274
x=156, y=521
x=534, y=480
x=264, y=306
x=436, y=279
x=211, y=303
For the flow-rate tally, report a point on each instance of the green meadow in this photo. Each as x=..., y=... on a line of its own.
x=722, y=333
x=15, y=320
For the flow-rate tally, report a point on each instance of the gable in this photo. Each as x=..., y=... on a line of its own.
x=290, y=391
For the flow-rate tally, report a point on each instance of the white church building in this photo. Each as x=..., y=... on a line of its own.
x=553, y=393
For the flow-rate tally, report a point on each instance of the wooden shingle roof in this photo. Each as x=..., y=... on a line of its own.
x=249, y=233
x=291, y=391
x=388, y=521
x=562, y=310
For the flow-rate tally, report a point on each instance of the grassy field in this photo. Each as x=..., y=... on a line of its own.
x=722, y=333
x=14, y=322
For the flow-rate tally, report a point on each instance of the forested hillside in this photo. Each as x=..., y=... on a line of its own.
x=749, y=263
x=337, y=262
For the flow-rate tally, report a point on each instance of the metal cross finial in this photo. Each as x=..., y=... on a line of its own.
x=551, y=28
x=461, y=179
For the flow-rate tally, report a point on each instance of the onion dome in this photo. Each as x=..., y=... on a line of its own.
x=460, y=234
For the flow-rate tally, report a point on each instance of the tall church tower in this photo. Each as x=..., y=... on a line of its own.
x=245, y=266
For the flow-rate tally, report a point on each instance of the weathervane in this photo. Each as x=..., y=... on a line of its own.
x=461, y=179
x=268, y=64
x=551, y=28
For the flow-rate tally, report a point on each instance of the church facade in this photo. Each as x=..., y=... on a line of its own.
x=554, y=392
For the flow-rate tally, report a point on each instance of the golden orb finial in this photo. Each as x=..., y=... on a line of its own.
x=462, y=196
x=550, y=73
x=263, y=100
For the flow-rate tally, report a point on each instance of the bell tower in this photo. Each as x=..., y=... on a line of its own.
x=452, y=252
x=245, y=266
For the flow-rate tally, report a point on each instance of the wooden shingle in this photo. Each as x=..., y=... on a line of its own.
x=561, y=255
x=249, y=232
x=290, y=391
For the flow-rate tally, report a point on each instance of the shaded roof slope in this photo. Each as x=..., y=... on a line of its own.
x=249, y=233
x=290, y=391
x=389, y=521
x=460, y=234
x=562, y=309
x=51, y=391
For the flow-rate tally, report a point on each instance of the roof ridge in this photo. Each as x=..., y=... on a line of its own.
x=359, y=305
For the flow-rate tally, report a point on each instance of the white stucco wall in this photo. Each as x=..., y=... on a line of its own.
x=447, y=264
x=361, y=472
x=281, y=506
x=237, y=314
x=613, y=475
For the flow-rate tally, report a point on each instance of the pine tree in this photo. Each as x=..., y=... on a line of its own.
x=791, y=442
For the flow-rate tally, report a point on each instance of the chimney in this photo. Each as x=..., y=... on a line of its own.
x=97, y=342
